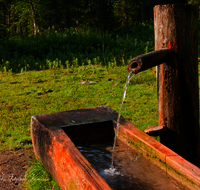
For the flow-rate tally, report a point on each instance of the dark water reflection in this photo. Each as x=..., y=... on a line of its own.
x=132, y=171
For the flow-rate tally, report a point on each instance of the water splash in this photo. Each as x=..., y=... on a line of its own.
x=110, y=172
x=116, y=133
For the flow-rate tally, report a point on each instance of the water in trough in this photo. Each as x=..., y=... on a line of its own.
x=131, y=169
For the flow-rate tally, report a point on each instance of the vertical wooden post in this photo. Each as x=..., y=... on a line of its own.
x=176, y=28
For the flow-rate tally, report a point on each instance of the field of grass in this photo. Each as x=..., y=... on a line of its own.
x=42, y=74
x=37, y=177
x=37, y=92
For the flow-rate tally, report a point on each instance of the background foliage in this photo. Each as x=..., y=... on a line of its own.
x=28, y=17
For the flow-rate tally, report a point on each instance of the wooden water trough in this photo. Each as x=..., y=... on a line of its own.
x=52, y=145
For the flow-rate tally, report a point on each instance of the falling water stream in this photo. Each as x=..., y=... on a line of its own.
x=112, y=169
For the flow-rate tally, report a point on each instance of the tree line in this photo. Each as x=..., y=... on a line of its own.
x=29, y=17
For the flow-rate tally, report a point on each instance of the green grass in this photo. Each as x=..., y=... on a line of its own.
x=37, y=177
x=38, y=92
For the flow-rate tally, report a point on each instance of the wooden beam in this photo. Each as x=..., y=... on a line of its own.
x=176, y=29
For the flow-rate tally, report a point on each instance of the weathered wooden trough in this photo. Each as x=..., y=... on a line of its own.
x=58, y=153
x=56, y=135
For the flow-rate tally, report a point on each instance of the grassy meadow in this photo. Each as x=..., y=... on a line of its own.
x=38, y=92
x=42, y=74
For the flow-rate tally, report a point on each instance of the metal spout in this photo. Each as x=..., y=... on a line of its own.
x=148, y=60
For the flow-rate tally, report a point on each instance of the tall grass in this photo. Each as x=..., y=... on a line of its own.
x=74, y=47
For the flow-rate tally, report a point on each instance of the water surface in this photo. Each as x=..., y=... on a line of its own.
x=131, y=170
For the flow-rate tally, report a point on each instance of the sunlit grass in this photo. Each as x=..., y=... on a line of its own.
x=38, y=92
x=37, y=177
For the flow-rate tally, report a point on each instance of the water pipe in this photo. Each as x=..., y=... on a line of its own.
x=148, y=60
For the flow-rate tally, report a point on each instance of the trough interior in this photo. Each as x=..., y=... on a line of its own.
x=98, y=132
x=95, y=141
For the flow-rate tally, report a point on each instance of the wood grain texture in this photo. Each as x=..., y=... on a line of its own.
x=176, y=28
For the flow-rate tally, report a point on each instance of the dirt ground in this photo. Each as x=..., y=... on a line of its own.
x=13, y=165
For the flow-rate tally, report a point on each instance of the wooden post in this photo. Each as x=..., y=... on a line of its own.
x=176, y=29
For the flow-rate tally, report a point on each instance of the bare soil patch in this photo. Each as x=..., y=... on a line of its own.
x=13, y=165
